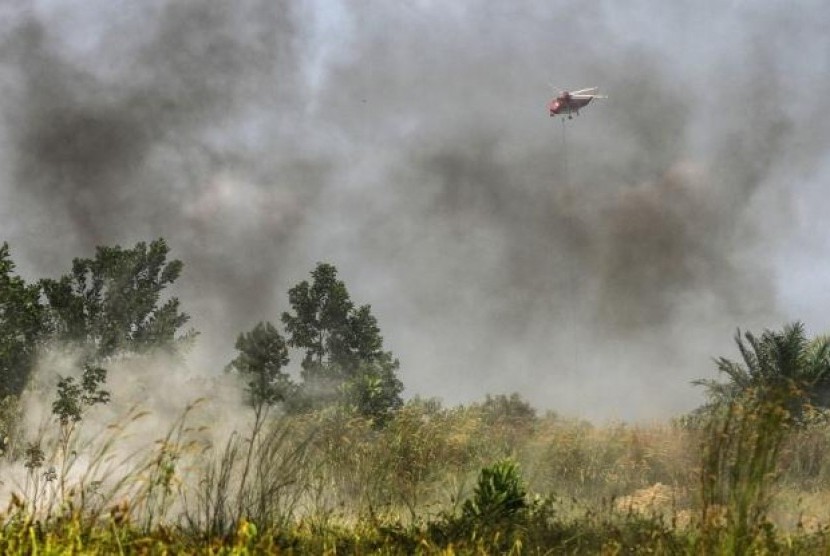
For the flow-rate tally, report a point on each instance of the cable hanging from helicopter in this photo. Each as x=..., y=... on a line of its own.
x=568, y=103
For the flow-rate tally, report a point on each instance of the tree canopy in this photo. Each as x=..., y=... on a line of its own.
x=112, y=302
x=21, y=326
x=262, y=356
x=783, y=365
x=343, y=349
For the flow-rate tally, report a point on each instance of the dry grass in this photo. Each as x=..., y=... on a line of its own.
x=332, y=481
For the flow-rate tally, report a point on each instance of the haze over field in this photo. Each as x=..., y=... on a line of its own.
x=408, y=144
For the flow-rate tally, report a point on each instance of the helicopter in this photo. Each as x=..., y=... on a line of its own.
x=569, y=102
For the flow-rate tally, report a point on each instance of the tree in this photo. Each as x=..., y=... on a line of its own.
x=513, y=412
x=74, y=398
x=374, y=391
x=262, y=356
x=784, y=366
x=344, y=358
x=320, y=323
x=111, y=303
x=21, y=327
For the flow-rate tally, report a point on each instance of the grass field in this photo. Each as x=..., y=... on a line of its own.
x=491, y=477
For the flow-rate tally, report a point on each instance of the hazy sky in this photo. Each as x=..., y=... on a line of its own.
x=408, y=143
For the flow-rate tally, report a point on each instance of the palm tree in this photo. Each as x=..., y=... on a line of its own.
x=785, y=366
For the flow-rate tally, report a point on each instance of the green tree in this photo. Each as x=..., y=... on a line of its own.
x=112, y=303
x=374, y=391
x=512, y=411
x=74, y=398
x=344, y=358
x=21, y=327
x=319, y=325
x=783, y=366
x=262, y=356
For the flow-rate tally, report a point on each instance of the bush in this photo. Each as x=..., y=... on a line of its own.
x=499, y=495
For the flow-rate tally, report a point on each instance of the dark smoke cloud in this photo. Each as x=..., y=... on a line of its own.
x=86, y=141
x=160, y=139
x=587, y=266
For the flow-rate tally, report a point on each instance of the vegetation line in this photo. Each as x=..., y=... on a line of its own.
x=328, y=458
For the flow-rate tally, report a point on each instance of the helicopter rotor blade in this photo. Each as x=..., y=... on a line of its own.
x=584, y=91
x=583, y=97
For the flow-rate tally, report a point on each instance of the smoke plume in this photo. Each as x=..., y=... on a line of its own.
x=588, y=264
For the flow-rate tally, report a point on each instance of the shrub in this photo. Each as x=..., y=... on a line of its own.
x=499, y=495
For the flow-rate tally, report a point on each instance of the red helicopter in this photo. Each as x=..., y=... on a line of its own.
x=569, y=102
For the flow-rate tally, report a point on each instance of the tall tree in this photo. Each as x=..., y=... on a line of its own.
x=344, y=357
x=21, y=326
x=113, y=303
x=319, y=325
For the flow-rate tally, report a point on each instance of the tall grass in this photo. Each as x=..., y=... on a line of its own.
x=743, y=440
x=261, y=479
x=331, y=482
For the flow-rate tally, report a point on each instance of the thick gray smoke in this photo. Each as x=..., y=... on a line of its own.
x=594, y=266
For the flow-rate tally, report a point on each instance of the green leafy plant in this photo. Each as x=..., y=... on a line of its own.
x=75, y=396
x=500, y=494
